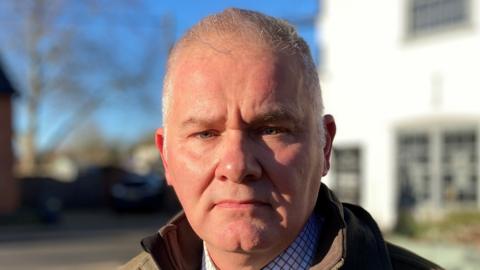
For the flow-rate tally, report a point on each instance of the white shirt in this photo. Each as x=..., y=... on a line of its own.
x=298, y=255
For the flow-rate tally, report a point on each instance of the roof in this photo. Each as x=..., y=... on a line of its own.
x=5, y=85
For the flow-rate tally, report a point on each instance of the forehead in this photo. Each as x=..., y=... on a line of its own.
x=224, y=52
x=203, y=73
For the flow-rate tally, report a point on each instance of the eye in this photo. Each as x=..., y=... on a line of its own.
x=271, y=131
x=206, y=134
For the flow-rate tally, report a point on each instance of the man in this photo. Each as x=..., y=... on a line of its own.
x=244, y=146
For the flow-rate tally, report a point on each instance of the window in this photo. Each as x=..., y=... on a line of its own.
x=459, y=167
x=438, y=167
x=414, y=168
x=347, y=174
x=425, y=16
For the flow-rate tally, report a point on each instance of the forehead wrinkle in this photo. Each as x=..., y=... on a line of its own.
x=202, y=113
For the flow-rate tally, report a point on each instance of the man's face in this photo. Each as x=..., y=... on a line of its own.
x=242, y=151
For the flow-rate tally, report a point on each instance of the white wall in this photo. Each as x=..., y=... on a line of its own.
x=373, y=76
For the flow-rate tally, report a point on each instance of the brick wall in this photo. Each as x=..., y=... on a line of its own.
x=9, y=196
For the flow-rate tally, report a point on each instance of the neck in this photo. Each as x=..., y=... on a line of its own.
x=226, y=260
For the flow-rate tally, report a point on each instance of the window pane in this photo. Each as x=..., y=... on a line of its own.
x=347, y=174
x=413, y=169
x=459, y=167
x=430, y=15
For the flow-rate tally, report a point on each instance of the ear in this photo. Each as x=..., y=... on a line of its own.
x=330, y=130
x=159, y=139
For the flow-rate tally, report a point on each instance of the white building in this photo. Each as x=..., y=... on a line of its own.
x=402, y=79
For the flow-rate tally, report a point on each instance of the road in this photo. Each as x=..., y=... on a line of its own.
x=83, y=241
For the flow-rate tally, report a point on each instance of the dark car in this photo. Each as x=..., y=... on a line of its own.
x=138, y=193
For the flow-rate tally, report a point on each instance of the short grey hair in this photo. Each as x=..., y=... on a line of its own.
x=278, y=35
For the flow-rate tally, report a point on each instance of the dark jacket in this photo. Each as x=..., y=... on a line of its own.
x=350, y=239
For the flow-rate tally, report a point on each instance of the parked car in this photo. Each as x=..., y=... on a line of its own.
x=138, y=193
x=43, y=196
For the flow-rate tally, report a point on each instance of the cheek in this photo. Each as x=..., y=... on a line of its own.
x=283, y=165
x=190, y=174
x=293, y=168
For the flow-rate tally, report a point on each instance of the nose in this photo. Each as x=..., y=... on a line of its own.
x=237, y=160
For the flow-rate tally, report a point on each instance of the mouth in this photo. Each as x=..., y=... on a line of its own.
x=240, y=204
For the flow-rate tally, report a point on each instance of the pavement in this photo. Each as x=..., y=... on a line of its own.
x=95, y=240
x=448, y=254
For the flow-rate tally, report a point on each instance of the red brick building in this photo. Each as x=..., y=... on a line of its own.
x=9, y=193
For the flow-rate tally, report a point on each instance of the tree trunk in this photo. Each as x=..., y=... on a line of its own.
x=29, y=160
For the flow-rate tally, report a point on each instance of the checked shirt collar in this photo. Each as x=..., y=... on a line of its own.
x=298, y=255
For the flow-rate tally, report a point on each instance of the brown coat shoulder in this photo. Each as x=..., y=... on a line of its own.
x=142, y=261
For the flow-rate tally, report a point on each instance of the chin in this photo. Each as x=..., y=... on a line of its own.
x=245, y=236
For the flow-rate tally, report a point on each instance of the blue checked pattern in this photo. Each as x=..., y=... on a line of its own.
x=298, y=255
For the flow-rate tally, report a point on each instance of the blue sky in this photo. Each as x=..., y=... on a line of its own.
x=188, y=12
x=122, y=120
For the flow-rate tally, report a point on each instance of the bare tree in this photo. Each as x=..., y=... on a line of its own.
x=77, y=55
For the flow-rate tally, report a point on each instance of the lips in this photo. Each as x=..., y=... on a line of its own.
x=239, y=204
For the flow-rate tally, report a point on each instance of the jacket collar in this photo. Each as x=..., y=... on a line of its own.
x=331, y=250
x=176, y=246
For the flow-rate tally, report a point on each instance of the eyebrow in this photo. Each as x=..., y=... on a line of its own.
x=278, y=114
x=192, y=121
